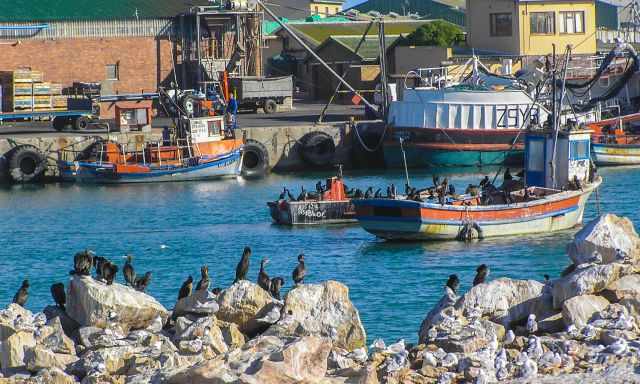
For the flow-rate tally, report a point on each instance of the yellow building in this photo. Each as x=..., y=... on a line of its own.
x=530, y=27
x=325, y=8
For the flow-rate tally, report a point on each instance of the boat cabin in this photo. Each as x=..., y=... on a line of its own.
x=557, y=164
x=209, y=135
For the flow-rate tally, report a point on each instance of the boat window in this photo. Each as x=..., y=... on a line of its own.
x=214, y=127
x=579, y=150
x=535, y=155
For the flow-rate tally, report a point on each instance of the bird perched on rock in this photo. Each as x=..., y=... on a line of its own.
x=501, y=360
x=82, y=263
x=98, y=264
x=276, y=284
x=22, y=295
x=243, y=265
x=59, y=295
x=141, y=283
x=532, y=324
x=529, y=368
x=481, y=274
x=263, y=278
x=534, y=348
x=128, y=272
x=450, y=360
x=109, y=271
x=453, y=283
x=204, y=279
x=300, y=271
x=216, y=291
x=186, y=288
x=509, y=337
x=432, y=333
x=624, y=322
x=618, y=347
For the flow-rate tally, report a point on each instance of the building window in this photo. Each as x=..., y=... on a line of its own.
x=317, y=11
x=326, y=11
x=572, y=22
x=543, y=23
x=501, y=24
x=112, y=72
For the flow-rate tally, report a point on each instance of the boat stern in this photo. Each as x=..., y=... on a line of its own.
x=390, y=219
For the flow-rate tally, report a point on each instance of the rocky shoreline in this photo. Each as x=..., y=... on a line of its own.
x=581, y=327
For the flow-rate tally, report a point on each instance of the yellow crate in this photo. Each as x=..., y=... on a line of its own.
x=27, y=76
x=24, y=89
x=59, y=101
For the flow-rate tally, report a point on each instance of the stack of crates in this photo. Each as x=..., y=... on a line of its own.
x=25, y=90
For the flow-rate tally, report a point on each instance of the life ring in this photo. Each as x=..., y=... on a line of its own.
x=318, y=148
x=26, y=164
x=255, y=159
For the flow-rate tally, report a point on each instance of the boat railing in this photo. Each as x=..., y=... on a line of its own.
x=435, y=77
x=616, y=139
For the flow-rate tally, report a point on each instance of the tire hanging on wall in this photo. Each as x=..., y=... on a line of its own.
x=26, y=164
x=318, y=148
x=255, y=159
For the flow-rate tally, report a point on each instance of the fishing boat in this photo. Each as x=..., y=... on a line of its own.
x=614, y=141
x=328, y=205
x=556, y=185
x=468, y=124
x=207, y=151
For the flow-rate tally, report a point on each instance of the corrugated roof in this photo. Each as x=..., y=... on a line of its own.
x=450, y=10
x=370, y=48
x=316, y=33
x=62, y=10
x=270, y=27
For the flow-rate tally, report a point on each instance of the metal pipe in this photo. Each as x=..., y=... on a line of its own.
x=315, y=55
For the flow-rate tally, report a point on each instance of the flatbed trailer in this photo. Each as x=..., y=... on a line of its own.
x=79, y=119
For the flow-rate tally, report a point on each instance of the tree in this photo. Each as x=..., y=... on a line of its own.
x=440, y=33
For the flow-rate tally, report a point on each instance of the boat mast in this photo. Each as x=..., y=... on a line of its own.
x=556, y=110
x=315, y=55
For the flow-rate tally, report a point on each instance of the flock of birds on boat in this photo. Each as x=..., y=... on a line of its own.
x=106, y=270
x=440, y=191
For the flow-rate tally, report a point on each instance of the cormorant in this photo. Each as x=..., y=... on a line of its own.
x=243, y=266
x=59, y=295
x=98, y=263
x=82, y=263
x=128, y=272
x=276, y=284
x=368, y=193
x=507, y=175
x=358, y=194
x=109, y=271
x=185, y=290
x=303, y=194
x=263, y=278
x=394, y=192
x=484, y=181
x=481, y=274
x=283, y=194
x=452, y=189
x=290, y=196
x=22, y=295
x=216, y=290
x=300, y=271
x=204, y=279
x=453, y=283
x=436, y=180
x=319, y=188
x=141, y=283
x=378, y=194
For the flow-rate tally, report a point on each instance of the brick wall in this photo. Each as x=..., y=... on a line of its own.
x=143, y=62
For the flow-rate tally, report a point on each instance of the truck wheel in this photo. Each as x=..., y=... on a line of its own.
x=255, y=159
x=270, y=106
x=81, y=123
x=26, y=164
x=59, y=123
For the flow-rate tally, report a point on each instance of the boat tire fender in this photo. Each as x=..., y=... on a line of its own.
x=26, y=164
x=255, y=159
x=318, y=148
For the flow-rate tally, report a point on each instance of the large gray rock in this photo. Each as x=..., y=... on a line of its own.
x=586, y=280
x=442, y=309
x=201, y=302
x=38, y=358
x=242, y=303
x=604, y=235
x=323, y=310
x=12, y=349
x=505, y=300
x=579, y=310
x=625, y=286
x=91, y=302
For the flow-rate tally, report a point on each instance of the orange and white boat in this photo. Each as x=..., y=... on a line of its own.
x=554, y=198
x=612, y=144
x=207, y=151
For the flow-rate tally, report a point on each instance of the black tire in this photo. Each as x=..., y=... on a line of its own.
x=59, y=123
x=255, y=159
x=270, y=106
x=81, y=123
x=189, y=105
x=318, y=148
x=26, y=164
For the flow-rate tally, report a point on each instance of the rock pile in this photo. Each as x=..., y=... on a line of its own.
x=581, y=327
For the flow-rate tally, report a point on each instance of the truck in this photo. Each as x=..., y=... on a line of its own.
x=78, y=119
x=267, y=93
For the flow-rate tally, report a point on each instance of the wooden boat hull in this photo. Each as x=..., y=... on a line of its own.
x=410, y=220
x=312, y=212
x=227, y=165
x=616, y=154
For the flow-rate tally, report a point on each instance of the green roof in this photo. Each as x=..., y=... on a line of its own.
x=67, y=10
x=369, y=50
x=270, y=27
x=450, y=10
x=316, y=33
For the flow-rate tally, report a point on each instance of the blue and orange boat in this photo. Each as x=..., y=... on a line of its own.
x=208, y=151
x=552, y=195
x=614, y=141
